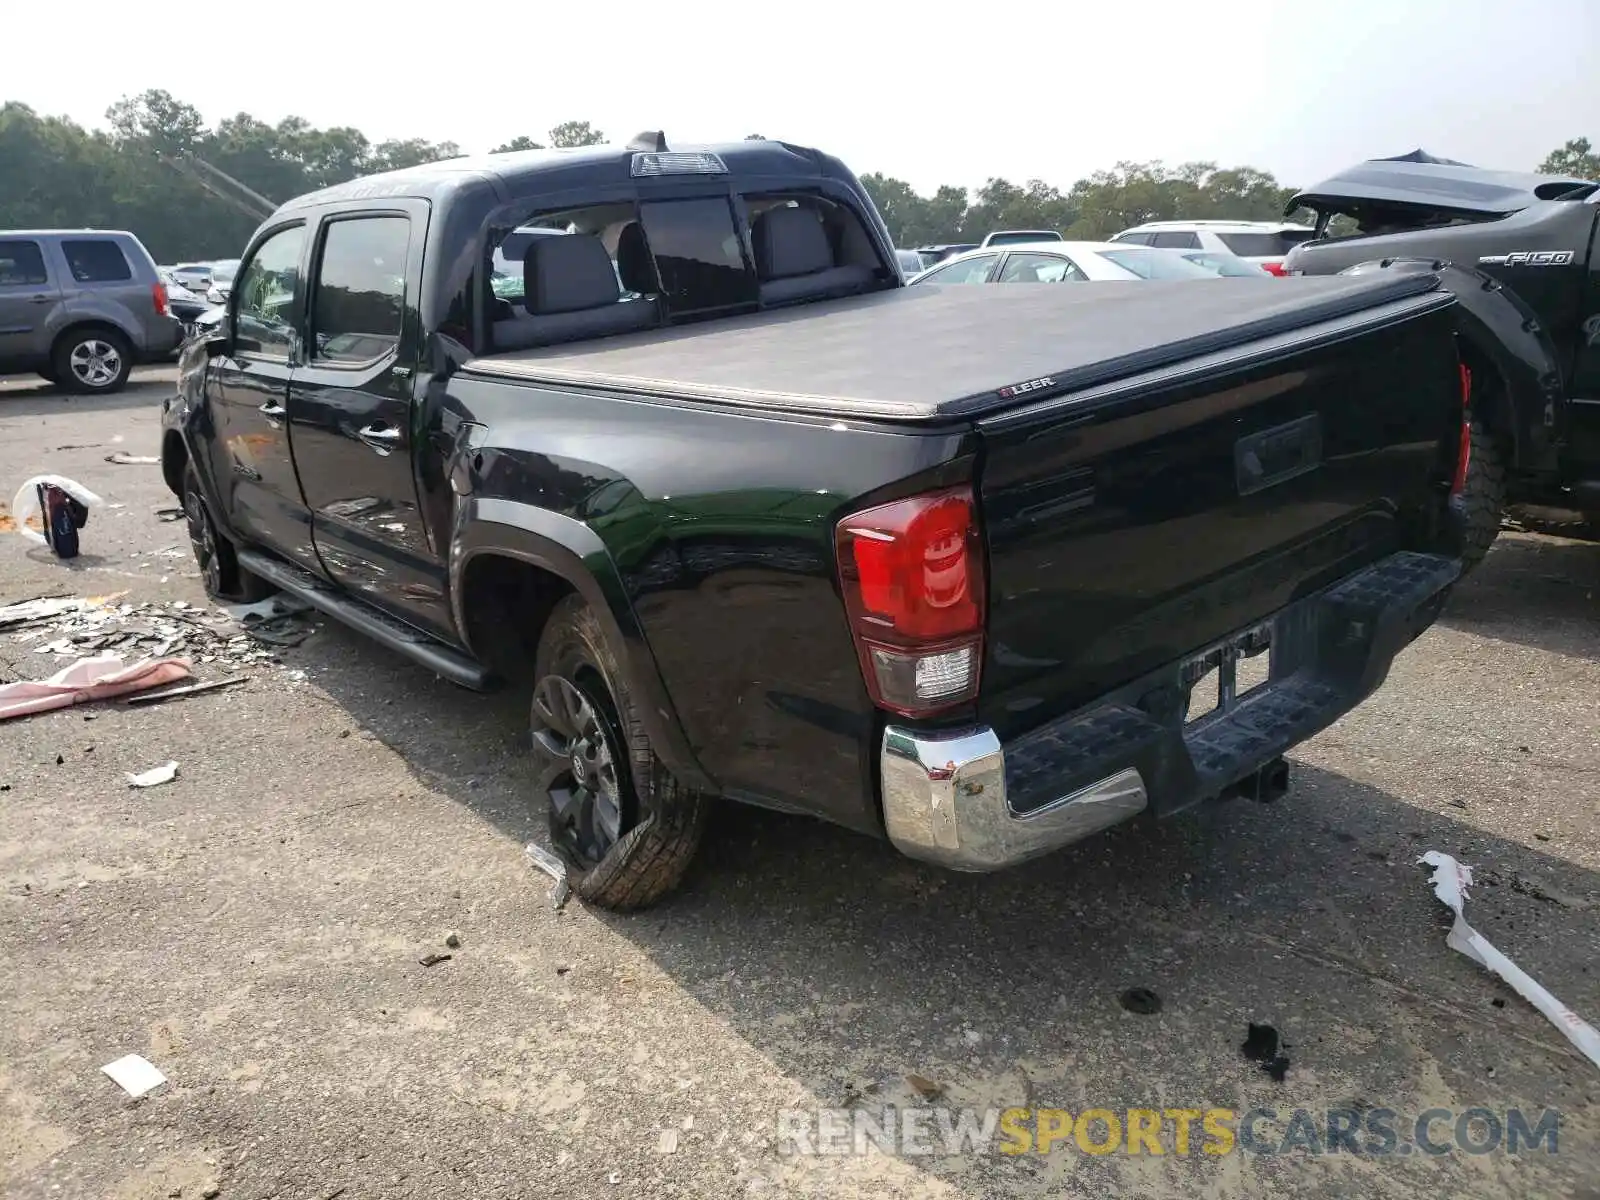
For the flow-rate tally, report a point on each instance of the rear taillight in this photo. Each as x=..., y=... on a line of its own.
x=158, y=293
x=1464, y=456
x=1274, y=268
x=912, y=574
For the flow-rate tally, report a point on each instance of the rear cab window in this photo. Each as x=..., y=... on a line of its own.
x=670, y=259
x=96, y=260
x=1264, y=245
x=22, y=264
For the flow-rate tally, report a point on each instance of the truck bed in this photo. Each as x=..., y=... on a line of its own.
x=932, y=354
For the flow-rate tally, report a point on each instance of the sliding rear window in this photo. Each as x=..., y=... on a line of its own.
x=699, y=254
x=1264, y=245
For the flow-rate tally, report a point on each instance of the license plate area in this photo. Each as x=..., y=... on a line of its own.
x=1218, y=679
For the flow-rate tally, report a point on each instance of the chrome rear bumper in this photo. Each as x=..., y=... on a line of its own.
x=944, y=801
x=961, y=799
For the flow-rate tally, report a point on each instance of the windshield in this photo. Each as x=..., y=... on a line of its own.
x=1022, y=236
x=1155, y=264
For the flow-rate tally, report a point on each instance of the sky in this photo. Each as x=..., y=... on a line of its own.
x=1300, y=89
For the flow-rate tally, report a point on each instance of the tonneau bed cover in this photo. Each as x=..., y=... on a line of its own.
x=932, y=353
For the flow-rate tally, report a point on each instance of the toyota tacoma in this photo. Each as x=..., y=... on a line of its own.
x=662, y=434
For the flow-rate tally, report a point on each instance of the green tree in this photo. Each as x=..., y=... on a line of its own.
x=520, y=142
x=1577, y=158
x=575, y=133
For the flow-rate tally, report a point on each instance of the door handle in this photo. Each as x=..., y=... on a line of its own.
x=272, y=409
x=380, y=437
x=40, y=299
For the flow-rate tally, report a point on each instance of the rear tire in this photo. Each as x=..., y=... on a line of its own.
x=625, y=827
x=220, y=572
x=1483, y=496
x=93, y=361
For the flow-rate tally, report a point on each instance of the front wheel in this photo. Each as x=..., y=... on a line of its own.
x=220, y=572
x=1483, y=496
x=625, y=827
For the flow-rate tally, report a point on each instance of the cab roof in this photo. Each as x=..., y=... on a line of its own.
x=532, y=173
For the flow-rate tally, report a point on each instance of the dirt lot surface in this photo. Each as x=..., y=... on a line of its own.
x=254, y=929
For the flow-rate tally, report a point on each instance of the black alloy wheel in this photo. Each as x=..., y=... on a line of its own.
x=585, y=773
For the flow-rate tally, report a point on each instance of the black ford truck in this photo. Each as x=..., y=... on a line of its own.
x=1523, y=254
x=662, y=434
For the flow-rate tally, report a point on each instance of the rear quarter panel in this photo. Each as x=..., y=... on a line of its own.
x=719, y=525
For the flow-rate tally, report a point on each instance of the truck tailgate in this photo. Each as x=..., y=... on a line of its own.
x=1135, y=522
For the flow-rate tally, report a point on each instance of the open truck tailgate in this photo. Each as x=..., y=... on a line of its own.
x=1135, y=522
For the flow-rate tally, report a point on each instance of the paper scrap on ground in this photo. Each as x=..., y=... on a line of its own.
x=123, y=459
x=1450, y=881
x=134, y=1075
x=165, y=773
x=89, y=679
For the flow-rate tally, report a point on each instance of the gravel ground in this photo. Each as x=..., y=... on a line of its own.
x=254, y=929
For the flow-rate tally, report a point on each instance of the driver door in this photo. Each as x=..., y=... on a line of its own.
x=248, y=386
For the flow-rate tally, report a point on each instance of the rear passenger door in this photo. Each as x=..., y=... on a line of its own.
x=27, y=296
x=350, y=412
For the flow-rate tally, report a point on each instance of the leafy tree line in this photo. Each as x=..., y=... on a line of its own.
x=131, y=175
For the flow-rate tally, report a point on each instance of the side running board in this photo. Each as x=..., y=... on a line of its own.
x=380, y=627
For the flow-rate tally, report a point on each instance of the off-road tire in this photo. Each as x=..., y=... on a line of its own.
x=650, y=857
x=98, y=343
x=221, y=576
x=1483, y=497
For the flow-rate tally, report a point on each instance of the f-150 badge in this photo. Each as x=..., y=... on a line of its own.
x=1528, y=258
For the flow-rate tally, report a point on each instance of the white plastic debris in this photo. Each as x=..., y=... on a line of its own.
x=134, y=1075
x=123, y=459
x=26, y=503
x=165, y=773
x=553, y=867
x=41, y=609
x=668, y=1142
x=1450, y=881
x=279, y=604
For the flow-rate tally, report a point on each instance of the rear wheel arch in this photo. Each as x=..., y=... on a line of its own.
x=506, y=600
x=560, y=570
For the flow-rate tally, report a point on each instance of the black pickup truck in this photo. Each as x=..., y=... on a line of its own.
x=662, y=434
x=1523, y=254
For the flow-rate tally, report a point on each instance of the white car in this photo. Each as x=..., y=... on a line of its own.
x=222, y=274
x=1265, y=243
x=1063, y=262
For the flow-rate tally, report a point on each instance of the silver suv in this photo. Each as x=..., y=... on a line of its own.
x=81, y=307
